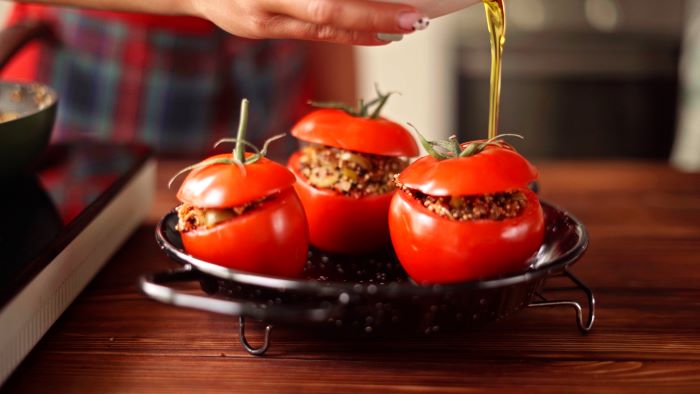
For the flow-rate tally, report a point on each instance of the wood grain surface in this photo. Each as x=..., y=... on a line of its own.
x=643, y=264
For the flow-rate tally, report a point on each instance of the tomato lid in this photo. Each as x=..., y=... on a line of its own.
x=493, y=170
x=337, y=128
x=229, y=185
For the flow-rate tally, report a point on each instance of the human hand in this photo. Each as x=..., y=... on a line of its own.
x=356, y=22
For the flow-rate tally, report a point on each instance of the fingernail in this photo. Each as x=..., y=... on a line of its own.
x=411, y=21
x=389, y=37
x=422, y=23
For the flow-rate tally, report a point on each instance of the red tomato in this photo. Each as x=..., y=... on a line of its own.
x=495, y=169
x=227, y=185
x=434, y=249
x=337, y=128
x=339, y=223
x=271, y=239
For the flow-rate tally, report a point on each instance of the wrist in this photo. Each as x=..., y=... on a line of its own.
x=186, y=7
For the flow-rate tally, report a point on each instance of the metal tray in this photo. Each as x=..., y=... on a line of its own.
x=371, y=294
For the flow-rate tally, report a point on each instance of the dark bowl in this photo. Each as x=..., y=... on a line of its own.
x=27, y=114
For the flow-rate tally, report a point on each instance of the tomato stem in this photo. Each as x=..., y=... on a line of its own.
x=343, y=107
x=451, y=148
x=362, y=110
x=382, y=102
x=454, y=145
x=239, y=150
x=428, y=145
x=238, y=156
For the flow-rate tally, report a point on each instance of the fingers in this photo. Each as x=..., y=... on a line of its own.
x=351, y=15
x=281, y=26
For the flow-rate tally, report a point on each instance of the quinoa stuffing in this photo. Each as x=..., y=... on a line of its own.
x=349, y=173
x=496, y=206
x=192, y=218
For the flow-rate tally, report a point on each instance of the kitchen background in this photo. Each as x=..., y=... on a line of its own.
x=582, y=78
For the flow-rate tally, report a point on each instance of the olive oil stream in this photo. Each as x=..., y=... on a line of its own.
x=496, y=21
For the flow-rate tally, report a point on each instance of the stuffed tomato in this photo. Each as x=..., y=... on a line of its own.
x=465, y=212
x=345, y=174
x=240, y=211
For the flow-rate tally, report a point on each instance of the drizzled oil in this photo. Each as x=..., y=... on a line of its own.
x=496, y=21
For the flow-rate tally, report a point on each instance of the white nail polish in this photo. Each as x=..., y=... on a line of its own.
x=389, y=37
x=422, y=23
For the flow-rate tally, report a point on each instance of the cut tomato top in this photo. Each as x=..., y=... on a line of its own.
x=495, y=169
x=337, y=128
x=229, y=185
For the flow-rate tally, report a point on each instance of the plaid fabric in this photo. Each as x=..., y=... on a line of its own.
x=176, y=91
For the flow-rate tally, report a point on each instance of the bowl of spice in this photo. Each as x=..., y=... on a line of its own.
x=27, y=114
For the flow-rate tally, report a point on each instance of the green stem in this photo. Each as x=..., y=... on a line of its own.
x=361, y=108
x=342, y=107
x=378, y=110
x=239, y=150
x=454, y=145
x=427, y=145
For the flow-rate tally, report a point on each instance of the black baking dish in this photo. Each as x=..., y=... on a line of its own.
x=371, y=294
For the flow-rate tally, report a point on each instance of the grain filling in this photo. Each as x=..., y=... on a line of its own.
x=349, y=173
x=192, y=218
x=495, y=206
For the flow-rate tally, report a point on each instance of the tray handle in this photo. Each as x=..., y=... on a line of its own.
x=583, y=326
x=155, y=287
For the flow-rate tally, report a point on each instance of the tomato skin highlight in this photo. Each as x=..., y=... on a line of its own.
x=433, y=249
x=337, y=128
x=270, y=240
x=227, y=185
x=341, y=224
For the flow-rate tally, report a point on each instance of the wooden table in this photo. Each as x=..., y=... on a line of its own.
x=643, y=264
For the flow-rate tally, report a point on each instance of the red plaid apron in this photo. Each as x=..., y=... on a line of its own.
x=172, y=82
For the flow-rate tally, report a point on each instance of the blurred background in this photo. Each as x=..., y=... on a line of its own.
x=582, y=78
